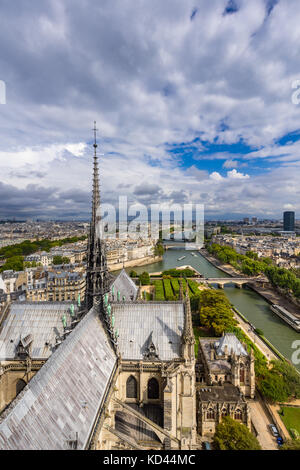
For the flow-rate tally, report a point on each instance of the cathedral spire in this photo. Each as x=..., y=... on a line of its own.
x=96, y=192
x=97, y=277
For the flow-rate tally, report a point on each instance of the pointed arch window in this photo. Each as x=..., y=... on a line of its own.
x=238, y=415
x=242, y=374
x=153, y=389
x=210, y=414
x=131, y=387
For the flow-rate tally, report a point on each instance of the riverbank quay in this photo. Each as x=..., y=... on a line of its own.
x=226, y=268
x=135, y=262
x=272, y=297
x=266, y=349
x=267, y=292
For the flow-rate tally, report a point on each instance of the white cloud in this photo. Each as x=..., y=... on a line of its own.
x=151, y=78
x=216, y=176
x=289, y=207
x=230, y=164
x=234, y=174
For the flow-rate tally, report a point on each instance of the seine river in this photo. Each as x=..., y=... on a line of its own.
x=248, y=302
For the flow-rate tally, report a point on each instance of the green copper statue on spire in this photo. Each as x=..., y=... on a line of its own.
x=109, y=309
x=72, y=310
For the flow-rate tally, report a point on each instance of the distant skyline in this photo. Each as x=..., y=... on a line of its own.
x=193, y=102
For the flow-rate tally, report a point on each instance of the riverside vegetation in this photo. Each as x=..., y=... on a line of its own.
x=251, y=265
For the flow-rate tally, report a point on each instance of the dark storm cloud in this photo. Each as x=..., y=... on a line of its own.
x=29, y=174
x=146, y=189
x=37, y=201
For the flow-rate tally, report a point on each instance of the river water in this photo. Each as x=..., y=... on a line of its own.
x=248, y=302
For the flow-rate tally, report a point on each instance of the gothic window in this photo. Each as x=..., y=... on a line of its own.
x=224, y=413
x=238, y=415
x=131, y=387
x=210, y=414
x=20, y=385
x=242, y=374
x=153, y=388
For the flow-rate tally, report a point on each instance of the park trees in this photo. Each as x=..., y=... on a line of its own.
x=231, y=435
x=133, y=273
x=280, y=383
x=144, y=279
x=215, y=311
x=61, y=260
x=16, y=263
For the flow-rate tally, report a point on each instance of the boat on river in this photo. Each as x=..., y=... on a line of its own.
x=290, y=319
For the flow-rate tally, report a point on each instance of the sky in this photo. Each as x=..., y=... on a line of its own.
x=194, y=102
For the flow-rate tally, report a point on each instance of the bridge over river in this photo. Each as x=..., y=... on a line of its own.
x=237, y=281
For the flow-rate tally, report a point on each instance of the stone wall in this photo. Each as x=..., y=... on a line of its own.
x=135, y=262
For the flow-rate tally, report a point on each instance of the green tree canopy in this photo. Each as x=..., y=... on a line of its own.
x=61, y=260
x=159, y=249
x=231, y=435
x=215, y=311
x=274, y=388
x=133, y=273
x=144, y=278
x=16, y=263
x=290, y=377
x=291, y=445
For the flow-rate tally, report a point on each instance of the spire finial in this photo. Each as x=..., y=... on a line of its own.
x=96, y=192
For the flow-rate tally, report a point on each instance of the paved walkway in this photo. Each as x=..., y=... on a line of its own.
x=255, y=338
x=261, y=422
x=275, y=409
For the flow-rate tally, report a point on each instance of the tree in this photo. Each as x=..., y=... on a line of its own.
x=60, y=260
x=133, y=273
x=252, y=254
x=16, y=263
x=274, y=388
x=159, y=249
x=291, y=445
x=215, y=311
x=144, y=279
x=290, y=376
x=231, y=435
